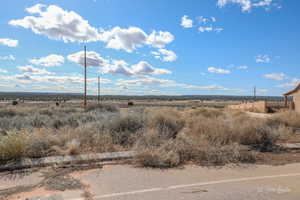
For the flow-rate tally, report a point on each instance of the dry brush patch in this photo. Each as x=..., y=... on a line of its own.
x=164, y=137
x=215, y=138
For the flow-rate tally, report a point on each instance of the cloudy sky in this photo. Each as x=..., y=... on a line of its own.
x=157, y=47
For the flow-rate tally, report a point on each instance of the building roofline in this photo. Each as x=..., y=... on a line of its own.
x=292, y=91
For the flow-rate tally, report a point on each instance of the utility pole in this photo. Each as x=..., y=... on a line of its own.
x=98, y=89
x=85, y=103
x=254, y=91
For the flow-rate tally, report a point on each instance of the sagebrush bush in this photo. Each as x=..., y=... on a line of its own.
x=223, y=154
x=7, y=113
x=12, y=146
x=123, y=128
x=103, y=107
x=207, y=112
x=167, y=122
x=153, y=151
x=239, y=129
x=288, y=118
x=164, y=137
x=40, y=142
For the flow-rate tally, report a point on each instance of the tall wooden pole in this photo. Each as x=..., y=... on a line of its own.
x=98, y=88
x=85, y=102
x=254, y=93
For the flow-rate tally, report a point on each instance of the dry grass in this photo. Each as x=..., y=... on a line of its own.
x=165, y=137
x=288, y=118
x=167, y=122
x=211, y=139
x=12, y=146
x=102, y=107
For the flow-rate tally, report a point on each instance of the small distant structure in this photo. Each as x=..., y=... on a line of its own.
x=295, y=103
x=258, y=106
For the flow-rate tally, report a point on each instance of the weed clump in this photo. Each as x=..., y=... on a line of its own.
x=103, y=107
x=167, y=122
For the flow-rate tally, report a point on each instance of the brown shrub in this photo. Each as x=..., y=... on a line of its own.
x=224, y=154
x=167, y=122
x=124, y=128
x=40, y=142
x=214, y=130
x=288, y=118
x=12, y=146
x=157, y=153
x=7, y=113
x=238, y=129
x=103, y=107
x=207, y=112
x=175, y=152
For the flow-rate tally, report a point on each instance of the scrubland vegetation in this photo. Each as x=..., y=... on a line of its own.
x=163, y=137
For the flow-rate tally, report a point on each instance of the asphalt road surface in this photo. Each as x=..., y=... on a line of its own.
x=125, y=182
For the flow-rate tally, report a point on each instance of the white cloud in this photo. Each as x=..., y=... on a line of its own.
x=28, y=69
x=155, y=82
x=9, y=42
x=186, y=22
x=292, y=83
x=159, y=39
x=207, y=24
x=148, y=81
x=165, y=55
x=275, y=76
x=22, y=77
x=58, y=24
x=125, y=39
x=3, y=71
x=263, y=59
x=133, y=37
x=9, y=57
x=36, y=8
x=117, y=67
x=205, y=20
x=209, y=29
x=262, y=3
x=247, y=5
x=218, y=70
x=243, y=67
x=205, y=87
x=92, y=59
x=143, y=68
x=52, y=79
x=262, y=91
x=51, y=60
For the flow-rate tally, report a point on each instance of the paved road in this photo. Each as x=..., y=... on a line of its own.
x=190, y=183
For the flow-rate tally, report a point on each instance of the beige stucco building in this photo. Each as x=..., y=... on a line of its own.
x=295, y=104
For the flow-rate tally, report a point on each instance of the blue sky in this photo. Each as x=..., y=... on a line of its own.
x=157, y=47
